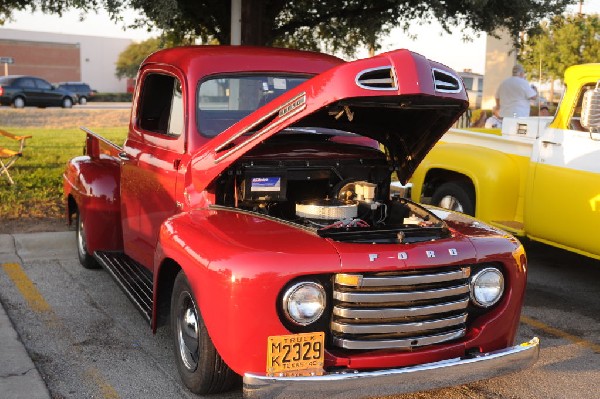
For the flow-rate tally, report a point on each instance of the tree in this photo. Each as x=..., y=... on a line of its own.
x=130, y=59
x=559, y=43
x=328, y=25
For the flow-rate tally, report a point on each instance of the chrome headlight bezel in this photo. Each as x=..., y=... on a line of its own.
x=477, y=284
x=301, y=291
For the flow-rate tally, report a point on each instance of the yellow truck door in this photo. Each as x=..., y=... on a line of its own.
x=563, y=205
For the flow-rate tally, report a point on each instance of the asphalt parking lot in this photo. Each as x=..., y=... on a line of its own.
x=87, y=340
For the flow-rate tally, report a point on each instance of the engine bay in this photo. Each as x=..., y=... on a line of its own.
x=336, y=183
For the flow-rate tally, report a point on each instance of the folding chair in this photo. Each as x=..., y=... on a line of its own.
x=7, y=156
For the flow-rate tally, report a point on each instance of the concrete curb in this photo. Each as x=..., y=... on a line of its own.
x=19, y=378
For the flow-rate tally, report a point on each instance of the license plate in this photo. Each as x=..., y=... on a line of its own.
x=295, y=352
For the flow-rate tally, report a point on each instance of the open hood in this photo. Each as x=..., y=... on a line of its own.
x=400, y=99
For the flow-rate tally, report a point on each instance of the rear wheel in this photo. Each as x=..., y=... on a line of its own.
x=82, y=100
x=201, y=368
x=18, y=102
x=455, y=196
x=85, y=258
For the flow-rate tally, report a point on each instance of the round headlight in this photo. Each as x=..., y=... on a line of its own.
x=303, y=303
x=487, y=287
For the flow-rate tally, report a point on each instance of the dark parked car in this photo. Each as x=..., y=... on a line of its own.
x=83, y=90
x=20, y=91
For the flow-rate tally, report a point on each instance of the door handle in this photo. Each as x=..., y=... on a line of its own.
x=123, y=156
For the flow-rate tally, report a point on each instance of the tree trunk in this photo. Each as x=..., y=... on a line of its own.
x=254, y=27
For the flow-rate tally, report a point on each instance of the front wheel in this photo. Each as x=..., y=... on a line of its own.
x=201, y=368
x=67, y=102
x=85, y=258
x=455, y=196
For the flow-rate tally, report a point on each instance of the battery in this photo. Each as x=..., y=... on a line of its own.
x=259, y=186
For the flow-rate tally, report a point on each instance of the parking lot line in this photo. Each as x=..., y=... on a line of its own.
x=559, y=333
x=30, y=293
x=37, y=303
x=108, y=392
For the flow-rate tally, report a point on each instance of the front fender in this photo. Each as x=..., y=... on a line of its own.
x=237, y=263
x=91, y=186
x=496, y=177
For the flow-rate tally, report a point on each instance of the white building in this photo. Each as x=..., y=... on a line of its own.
x=97, y=57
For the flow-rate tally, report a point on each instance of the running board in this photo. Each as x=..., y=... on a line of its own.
x=134, y=279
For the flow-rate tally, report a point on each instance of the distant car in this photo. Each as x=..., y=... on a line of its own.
x=83, y=90
x=19, y=91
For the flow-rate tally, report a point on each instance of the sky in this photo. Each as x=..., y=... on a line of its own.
x=431, y=41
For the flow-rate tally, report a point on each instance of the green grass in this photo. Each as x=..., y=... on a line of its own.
x=37, y=191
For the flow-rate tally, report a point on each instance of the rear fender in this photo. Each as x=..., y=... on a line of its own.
x=495, y=177
x=91, y=186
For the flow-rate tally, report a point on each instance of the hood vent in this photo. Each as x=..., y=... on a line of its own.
x=445, y=82
x=382, y=78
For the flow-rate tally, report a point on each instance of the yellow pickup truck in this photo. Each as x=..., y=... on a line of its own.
x=538, y=177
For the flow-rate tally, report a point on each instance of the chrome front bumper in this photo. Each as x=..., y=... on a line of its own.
x=395, y=381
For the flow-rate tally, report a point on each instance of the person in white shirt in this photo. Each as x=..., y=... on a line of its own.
x=494, y=121
x=514, y=93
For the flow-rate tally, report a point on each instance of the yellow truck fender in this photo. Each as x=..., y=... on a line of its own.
x=492, y=177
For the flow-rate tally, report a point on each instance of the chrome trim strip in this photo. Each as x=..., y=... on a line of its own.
x=406, y=343
x=355, y=384
x=389, y=81
x=381, y=297
x=390, y=313
x=360, y=83
x=300, y=99
x=392, y=281
x=398, y=328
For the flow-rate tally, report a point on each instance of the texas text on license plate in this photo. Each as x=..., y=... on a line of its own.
x=295, y=352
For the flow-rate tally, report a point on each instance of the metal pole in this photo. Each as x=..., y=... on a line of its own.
x=236, y=22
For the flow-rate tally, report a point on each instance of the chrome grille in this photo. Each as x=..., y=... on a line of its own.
x=400, y=310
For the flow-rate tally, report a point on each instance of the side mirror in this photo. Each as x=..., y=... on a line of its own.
x=590, y=112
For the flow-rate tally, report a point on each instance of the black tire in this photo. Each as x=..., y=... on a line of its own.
x=455, y=196
x=85, y=258
x=82, y=100
x=67, y=102
x=200, y=367
x=18, y=102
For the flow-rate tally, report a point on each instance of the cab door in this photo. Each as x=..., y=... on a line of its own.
x=150, y=163
x=28, y=88
x=46, y=93
x=563, y=207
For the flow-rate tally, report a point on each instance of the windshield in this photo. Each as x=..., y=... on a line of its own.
x=224, y=100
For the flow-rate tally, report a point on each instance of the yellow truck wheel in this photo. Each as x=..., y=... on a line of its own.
x=455, y=196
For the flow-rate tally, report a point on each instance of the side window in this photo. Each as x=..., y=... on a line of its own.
x=161, y=105
x=42, y=84
x=575, y=121
x=26, y=83
x=176, y=120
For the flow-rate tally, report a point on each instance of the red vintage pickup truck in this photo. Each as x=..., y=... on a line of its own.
x=251, y=208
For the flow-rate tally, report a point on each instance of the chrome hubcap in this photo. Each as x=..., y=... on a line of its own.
x=450, y=202
x=81, y=238
x=187, y=332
